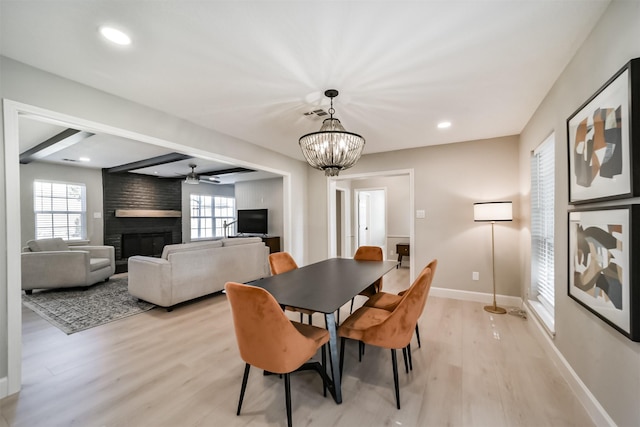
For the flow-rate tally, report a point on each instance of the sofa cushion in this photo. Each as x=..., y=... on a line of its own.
x=98, y=263
x=184, y=247
x=240, y=241
x=55, y=244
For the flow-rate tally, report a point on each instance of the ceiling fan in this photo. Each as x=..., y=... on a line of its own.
x=193, y=178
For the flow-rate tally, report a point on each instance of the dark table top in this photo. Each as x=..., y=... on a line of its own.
x=326, y=285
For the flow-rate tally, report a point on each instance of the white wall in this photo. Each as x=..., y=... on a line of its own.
x=91, y=178
x=71, y=100
x=606, y=361
x=263, y=194
x=208, y=189
x=4, y=320
x=447, y=180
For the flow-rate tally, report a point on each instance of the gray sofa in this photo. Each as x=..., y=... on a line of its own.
x=52, y=263
x=191, y=270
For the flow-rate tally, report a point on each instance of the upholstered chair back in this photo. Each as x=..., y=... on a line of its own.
x=281, y=262
x=396, y=330
x=370, y=253
x=266, y=337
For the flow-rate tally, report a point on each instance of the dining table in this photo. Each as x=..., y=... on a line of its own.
x=324, y=287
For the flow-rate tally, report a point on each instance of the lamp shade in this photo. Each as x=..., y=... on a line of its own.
x=492, y=211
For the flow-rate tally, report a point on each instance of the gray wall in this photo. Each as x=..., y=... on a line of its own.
x=263, y=194
x=447, y=179
x=188, y=190
x=91, y=178
x=607, y=362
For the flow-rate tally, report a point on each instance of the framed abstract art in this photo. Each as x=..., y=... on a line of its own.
x=603, y=266
x=604, y=141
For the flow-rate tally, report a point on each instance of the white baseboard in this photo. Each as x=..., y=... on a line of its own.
x=476, y=296
x=4, y=389
x=595, y=410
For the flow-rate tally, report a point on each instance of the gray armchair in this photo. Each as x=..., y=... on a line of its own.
x=51, y=263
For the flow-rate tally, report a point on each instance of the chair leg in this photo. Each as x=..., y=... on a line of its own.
x=301, y=318
x=394, y=361
x=351, y=309
x=360, y=350
x=418, y=335
x=287, y=396
x=410, y=360
x=244, y=386
x=311, y=323
x=404, y=356
x=323, y=352
x=342, y=343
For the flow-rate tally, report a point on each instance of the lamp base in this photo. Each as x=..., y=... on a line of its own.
x=495, y=309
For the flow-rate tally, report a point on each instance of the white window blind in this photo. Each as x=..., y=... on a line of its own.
x=60, y=210
x=542, y=229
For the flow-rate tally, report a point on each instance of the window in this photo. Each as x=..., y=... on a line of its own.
x=225, y=208
x=208, y=215
x=60, y=210
x=541, y=296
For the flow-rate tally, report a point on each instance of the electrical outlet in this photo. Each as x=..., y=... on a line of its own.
x=391, y=252
x=475, y=275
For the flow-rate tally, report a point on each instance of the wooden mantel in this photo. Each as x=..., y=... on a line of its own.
x=147, y=213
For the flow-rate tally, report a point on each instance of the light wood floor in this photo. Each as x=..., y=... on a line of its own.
x=182, y=369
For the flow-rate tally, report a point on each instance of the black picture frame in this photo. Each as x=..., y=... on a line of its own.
x=603, y=265
x=602, y=141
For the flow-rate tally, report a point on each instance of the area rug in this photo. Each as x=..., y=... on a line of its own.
x=75, y=309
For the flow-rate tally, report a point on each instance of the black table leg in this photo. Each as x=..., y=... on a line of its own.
x=335, y=388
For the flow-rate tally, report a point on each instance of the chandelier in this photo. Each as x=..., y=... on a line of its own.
x=332, y=148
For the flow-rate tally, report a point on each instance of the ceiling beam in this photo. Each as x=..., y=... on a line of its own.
x=227, y=171
x=147, y=163
x=63, y=140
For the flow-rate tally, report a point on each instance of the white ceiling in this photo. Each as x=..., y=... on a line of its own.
x=251, y=69
x=104, y=151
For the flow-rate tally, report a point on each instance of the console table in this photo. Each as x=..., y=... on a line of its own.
x=403, y=250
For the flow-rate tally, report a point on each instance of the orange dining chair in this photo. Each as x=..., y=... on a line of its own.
x=369, y=253
x=388, y=329
x=281, y=262
x=268, y=340
x=388, y=301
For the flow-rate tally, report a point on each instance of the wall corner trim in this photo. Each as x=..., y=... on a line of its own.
x=4, y=389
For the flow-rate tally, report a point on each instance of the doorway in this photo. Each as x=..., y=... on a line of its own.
x=13, y=113
x=372, y=217
x=398, y=223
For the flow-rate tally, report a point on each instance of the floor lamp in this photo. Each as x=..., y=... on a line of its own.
x=492, y=212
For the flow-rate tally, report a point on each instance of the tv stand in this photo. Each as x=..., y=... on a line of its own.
x=272, y=242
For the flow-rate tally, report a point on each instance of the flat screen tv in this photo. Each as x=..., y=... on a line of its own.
x=253, y=221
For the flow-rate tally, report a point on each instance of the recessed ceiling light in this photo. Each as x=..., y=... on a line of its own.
x=84, y=159
x=444, y=125
x=115, y=36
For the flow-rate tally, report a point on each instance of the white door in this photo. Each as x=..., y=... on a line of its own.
x=364, y=218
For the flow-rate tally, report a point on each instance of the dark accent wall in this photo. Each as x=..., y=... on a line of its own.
x=134, y=191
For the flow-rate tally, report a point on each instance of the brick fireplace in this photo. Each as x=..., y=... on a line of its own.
x=141, y=214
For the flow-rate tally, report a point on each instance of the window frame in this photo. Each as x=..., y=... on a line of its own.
x=213, y=223
x=541, y=295
x=40, y=210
